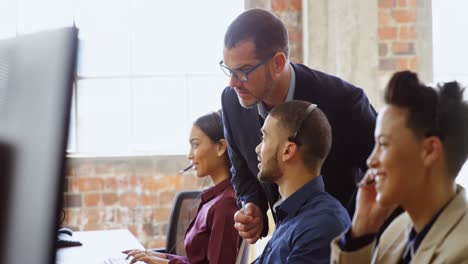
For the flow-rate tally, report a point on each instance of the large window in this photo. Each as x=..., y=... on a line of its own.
x=146, y=68
x=450, y=49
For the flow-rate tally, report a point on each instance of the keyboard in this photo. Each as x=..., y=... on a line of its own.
x=120, y=260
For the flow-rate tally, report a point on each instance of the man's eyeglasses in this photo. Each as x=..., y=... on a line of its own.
x=240, y=74
x=309, y=109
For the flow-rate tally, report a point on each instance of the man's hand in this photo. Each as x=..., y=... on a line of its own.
x=249, y=223
x=369, y=215
x=146, y=256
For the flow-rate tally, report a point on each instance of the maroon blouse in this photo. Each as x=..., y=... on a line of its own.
x=211, y=236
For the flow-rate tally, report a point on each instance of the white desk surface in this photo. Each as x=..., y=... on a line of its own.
x=97, y=246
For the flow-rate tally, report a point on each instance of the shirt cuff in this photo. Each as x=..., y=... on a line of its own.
x=348, y=243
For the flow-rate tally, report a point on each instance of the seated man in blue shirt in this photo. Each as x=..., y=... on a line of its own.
x=296, y=140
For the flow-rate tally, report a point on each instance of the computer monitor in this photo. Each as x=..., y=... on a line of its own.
x=36, y=79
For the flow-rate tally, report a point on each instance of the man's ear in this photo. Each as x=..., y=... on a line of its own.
x=432, y=150
x=289, y=150
x=279, y=62
x=221, y=147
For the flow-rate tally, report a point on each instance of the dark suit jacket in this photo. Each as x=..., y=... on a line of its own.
x=351, y=117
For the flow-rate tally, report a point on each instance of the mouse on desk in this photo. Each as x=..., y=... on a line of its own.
x=64, y=238
x=65, y=231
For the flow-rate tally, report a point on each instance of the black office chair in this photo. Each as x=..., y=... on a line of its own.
x=184, y=210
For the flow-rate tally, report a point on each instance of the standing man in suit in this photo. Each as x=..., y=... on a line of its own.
x=256, y=58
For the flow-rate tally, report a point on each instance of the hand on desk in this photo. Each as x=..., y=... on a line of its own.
x=146, y=256
x=249, y=223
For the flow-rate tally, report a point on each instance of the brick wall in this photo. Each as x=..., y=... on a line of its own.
x=397, y=35
x=126, y=192
x=290, y=12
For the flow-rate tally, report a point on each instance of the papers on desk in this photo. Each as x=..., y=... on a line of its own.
x=98, y=246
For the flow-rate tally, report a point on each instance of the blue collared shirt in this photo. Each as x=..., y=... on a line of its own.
x=306, y=223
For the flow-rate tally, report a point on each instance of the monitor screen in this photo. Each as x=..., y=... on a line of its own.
x=36, y=79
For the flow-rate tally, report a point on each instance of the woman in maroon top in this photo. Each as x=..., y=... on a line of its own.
x=210, y=237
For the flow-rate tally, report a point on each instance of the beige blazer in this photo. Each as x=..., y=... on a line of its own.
x=446, y=242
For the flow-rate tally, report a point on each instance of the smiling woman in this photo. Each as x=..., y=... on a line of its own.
x=208, y=149
x=211, y=237
x=421, y=144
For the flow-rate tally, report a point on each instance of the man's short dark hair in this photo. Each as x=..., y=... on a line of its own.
x=431, y=112
x=314, y=133
x=267, y=32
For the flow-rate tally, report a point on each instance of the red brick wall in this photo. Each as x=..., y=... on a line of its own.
x=126, y=192
x=397, y=35
x=290, y=12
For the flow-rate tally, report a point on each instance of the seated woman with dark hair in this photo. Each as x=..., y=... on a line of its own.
x=421, y=143
x=211, y=237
